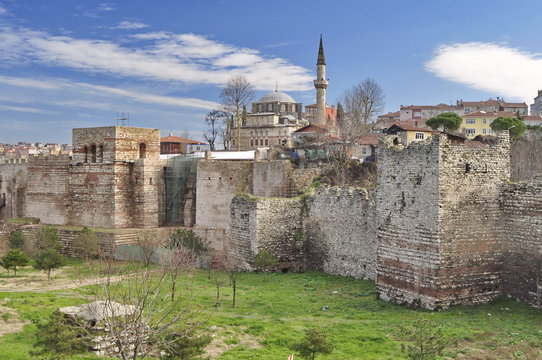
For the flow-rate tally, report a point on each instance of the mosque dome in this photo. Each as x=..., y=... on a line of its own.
x=276, y=96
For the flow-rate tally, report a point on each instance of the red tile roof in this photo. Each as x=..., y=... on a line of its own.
x=407, y=127
x=178, y=139
x=369, y=139
x=507, y=104
x=489, y=102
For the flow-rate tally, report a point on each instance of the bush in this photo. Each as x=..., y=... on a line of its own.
x=57, y=336
x=86, y=244
x=17, y=240
x=425, y=341
x=47, y=238
x=49, y=260
x=189, y=239
x=314, y=343
x=13, y=259
x=264, y=260
x=185, y=347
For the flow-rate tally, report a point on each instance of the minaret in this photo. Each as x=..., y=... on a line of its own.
x=321, y=85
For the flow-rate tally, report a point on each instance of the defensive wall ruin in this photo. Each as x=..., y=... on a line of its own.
x=443, y=225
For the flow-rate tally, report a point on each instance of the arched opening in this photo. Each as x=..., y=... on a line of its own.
x=101, y=153
x=85, y=152
x=93, y=153
x=142, y=151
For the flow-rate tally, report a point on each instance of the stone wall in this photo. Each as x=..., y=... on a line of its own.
x=217, y=184
x=340, y=231
x=471, y=179
x=13, y=186
x=115, y=143
x=47, y=196
x=439, y=221
x=271, y=224
x=522, y=241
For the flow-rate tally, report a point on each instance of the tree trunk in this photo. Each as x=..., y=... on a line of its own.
x=234, y=285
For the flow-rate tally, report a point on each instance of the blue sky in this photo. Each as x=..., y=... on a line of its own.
x=66, y=64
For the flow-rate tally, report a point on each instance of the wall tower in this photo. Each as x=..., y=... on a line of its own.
x=321, y=85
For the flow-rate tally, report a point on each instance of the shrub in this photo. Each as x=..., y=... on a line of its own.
x=57, y=336
x=13, y=259
x=49, y=260
x=17, y=240
x=47, y=238
x=314, y=343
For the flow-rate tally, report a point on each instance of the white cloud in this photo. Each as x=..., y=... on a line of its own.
x=187, y=58
x=129, y=25
x=106, y=7
x=497, y=68
x=107, y=91
x=25, y=109
x=3, y=10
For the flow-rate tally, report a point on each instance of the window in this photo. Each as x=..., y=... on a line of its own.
x=93, y=153
x=101, y=153
x=269, y=107
x=142, y=151
x=251, y=142
x=85, y=151
x=419, y=136
x=484, y=131
x=283, y=107
x=484, y=121
x=266, y=142
x=470, y=131
x=416, y=113
x=470, y=121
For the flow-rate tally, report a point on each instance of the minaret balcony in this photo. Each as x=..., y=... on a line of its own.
x=321, y=84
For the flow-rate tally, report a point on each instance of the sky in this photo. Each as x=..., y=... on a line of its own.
x=80, y=63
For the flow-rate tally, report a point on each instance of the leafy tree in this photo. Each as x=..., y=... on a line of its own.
x=314, y=343
x=425, y=341
x=49, y=260
x=13, y=259
x=47, y=238
x=17, y=240
x=264, y=260
x=448, y=121
x=515, y=126
x=58, y=337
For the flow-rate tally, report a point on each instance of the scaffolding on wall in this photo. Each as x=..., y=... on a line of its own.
x=180, y=184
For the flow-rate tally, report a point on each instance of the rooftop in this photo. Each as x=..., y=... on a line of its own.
x=277, y=96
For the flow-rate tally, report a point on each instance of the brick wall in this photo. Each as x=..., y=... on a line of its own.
x=13, y=187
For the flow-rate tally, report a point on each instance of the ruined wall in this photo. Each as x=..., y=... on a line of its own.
x=47, y=192
x=13, y=187
x=340, y=231
x=271, y=224
x=440, y=221
x=407, y=208
x=522, y=241
x=217, y=184
x=471, y=179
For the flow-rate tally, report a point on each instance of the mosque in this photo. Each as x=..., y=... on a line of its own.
x=277, y=115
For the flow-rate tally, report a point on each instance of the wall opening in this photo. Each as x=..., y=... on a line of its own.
x=93, y=153
x=142, y=151
x=85, y=151
x=101, y=153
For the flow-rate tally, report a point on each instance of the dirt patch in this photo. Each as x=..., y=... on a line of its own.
x=38, y=282
x=9, y=321
x=520, y=351
x=226, y=340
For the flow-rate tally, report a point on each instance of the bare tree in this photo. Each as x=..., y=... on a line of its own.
x=237, y=92
x=214, y=120
x=526, y=156
x=138, y=316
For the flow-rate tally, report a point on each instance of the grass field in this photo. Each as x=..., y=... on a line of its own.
x=272, y=314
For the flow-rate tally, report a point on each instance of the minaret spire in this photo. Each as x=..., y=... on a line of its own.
x=321, y=85
x=321, y=57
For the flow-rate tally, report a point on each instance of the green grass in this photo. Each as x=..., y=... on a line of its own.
x=274, y=314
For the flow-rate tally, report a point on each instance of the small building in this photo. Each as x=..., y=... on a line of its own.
x=479, y=122
x=407, y=133
x=178, y=145
x=533, y=120
x=310, y=114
